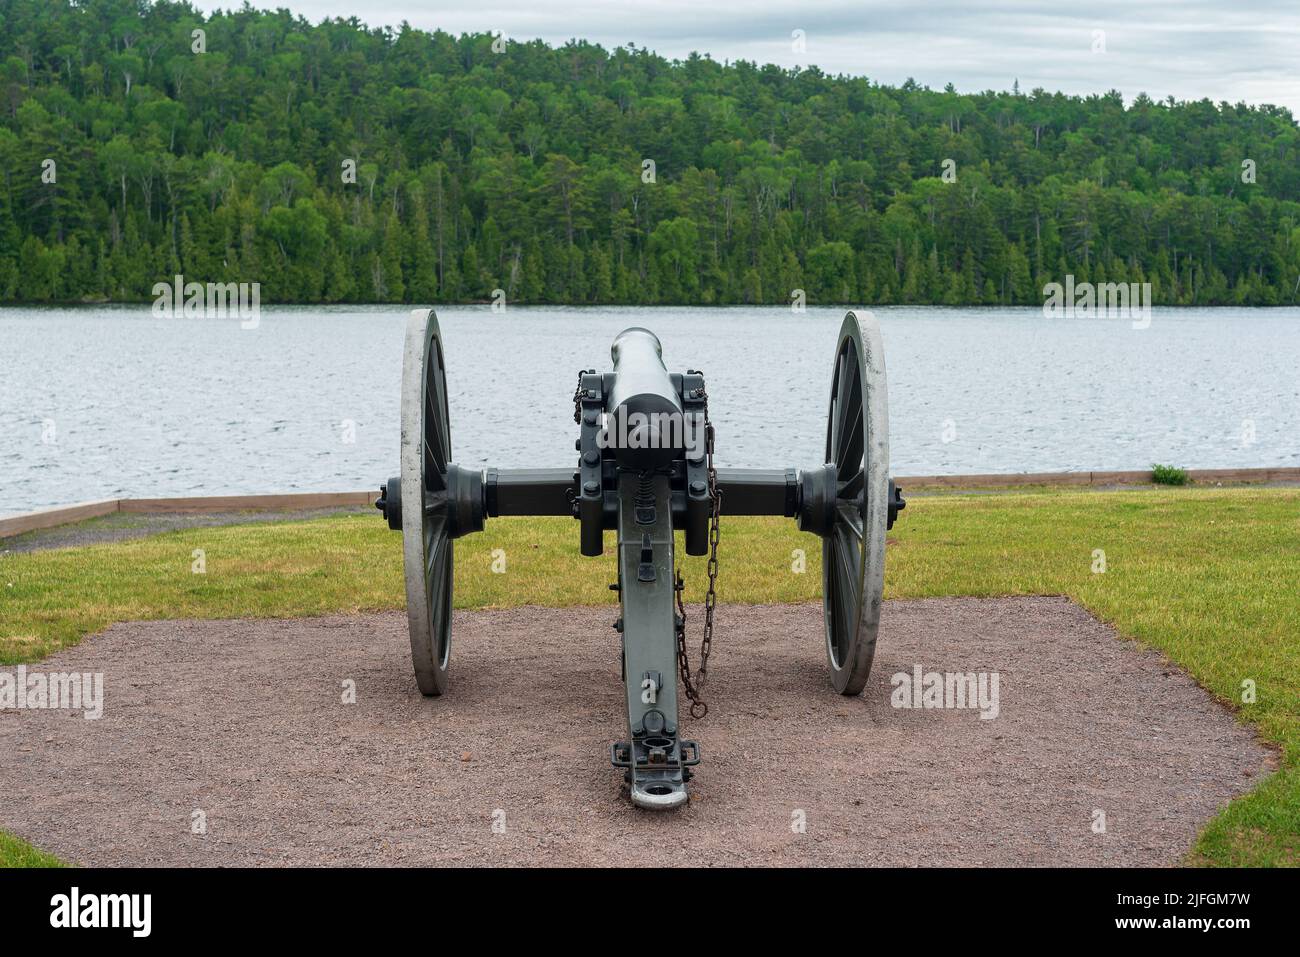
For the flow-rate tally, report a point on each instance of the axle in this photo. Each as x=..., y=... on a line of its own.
x=492, y=492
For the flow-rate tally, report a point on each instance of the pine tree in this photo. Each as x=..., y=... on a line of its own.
x=393, y=286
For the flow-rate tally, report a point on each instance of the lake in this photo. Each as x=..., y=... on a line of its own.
x=104, y=402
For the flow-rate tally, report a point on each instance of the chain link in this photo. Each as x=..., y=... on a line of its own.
x=695, y=687
x=579, y=394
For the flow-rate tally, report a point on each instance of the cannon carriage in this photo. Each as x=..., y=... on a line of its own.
x=645, y=469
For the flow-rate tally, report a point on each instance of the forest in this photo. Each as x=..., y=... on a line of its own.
x=342, y=162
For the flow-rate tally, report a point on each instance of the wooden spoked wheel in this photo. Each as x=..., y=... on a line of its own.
x=853, y=550
x=426, y=539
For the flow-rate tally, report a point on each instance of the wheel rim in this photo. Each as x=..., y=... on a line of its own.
x=853, y=552
x=426, y=542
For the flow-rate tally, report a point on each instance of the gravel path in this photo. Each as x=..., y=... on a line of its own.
x=243, y=721
x=126, y=525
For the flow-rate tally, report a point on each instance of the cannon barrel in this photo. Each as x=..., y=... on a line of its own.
x=645, y=427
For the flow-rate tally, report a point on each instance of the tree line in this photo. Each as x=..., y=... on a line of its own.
x=339, y=162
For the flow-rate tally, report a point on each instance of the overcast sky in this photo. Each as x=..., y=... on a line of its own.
x=1225, y=50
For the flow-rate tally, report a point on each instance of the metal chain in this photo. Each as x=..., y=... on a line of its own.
x=695, y=688
x=578, y=395
x=683, y=662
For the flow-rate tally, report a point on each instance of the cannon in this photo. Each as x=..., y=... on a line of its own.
x=645, y=469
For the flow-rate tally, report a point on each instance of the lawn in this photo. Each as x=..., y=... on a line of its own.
x=1211, y=577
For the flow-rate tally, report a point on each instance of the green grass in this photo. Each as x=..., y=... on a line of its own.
x=17, y=853
x=1208, y=576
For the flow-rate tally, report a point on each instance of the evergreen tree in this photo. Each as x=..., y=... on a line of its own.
x=336, y=162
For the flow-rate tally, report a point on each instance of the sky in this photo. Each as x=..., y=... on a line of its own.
x=1244, y=50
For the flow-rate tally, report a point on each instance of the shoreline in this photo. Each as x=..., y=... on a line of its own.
x=12, y=526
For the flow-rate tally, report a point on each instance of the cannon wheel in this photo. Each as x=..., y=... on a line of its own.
x=426, y=540
x=853, y=553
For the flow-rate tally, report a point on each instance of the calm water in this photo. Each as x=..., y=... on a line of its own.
x=110, y=402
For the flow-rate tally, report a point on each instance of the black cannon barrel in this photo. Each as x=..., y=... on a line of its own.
x=645, y=425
